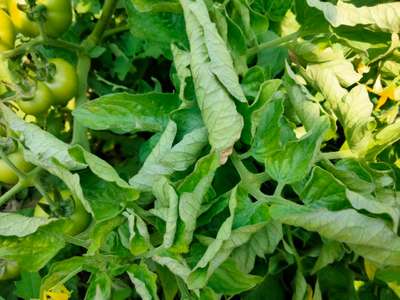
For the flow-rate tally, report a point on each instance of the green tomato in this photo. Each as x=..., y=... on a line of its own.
x=58, y=17
x=7, y=32
x=8, y=269
x=40, y=102
x=75, y=223
x=64, y=84
x=7, y=175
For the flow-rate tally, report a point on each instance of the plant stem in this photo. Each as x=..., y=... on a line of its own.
x=115, y=30
x=279, y=189
x=40, y=41
x=337, y=155
x=79, y=135
x=11, y=192
x=4, y=157
x=295, y=253
x=101, y=25
x=274, y=43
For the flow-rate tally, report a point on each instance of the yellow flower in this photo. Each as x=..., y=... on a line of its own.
x=384, y=94
x=59, y=292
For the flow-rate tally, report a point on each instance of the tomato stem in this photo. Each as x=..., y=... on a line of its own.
x=115, y=30
x=274, y=43
x=79, y=135
x=101, y=26
x=11, y=192
x=4, y=157
x=40, y=41
x=337, y=155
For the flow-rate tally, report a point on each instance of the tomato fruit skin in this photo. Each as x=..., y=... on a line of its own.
x=58, y=17
x=10, y=270
x=40, y=103
x=7, y=175
x=64, y=84
x=77, y=222
x=7, y=32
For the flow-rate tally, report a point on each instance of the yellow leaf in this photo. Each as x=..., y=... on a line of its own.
x=370, y=269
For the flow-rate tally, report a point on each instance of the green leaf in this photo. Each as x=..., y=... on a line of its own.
x=272, y=131
x=372, y=205
x=182, y=63
x=366, y=236
x=192, y=192
x=163, y=28
x=229, y=280
x=228, y=237
x=12, y=224
x=168, y=282
x=165, y=159
x=99, y=233
x=166, y=207
x=337, y=282
x=218, y=109
x=106, y=199
x=34, y=251
x=28, y=286
x=99, y=167
x=126, y=113
x=221, y=64
x=330, y=252
x=137, y=239
x=306, y=110
x=324, y=190
x=300, y=286
x=157, y=5
x=383, y=139
x=355, y=116
x=271, y=288
x=99, y=287
x=61, y=270
x=144, y=281
x=295, y=160
x=382, y=17
x=42, y=144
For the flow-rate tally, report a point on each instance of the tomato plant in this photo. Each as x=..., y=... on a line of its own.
x=200, y=149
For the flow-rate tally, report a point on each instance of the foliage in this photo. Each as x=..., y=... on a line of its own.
x=212, y=149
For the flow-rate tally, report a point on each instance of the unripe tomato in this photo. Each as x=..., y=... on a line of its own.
x=7, y=32
x=64, y=84
x=8, y=269
x=75, y=223
x=40, y=102
x=7, y=175
x=58, y=17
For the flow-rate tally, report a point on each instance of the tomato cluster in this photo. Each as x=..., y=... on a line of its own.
x=58, y=90
x=56, y=17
